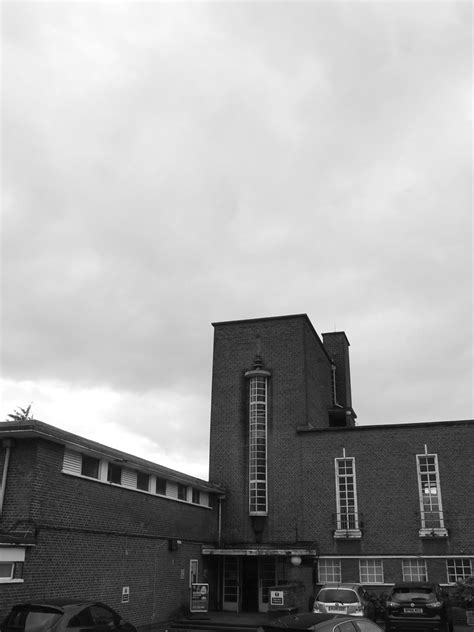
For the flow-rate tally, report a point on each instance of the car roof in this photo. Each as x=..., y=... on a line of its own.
x=341, y=585
x=55, y=603
x=306, y=620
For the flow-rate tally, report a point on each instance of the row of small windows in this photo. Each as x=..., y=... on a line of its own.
x=372, y=571
x=117, y=474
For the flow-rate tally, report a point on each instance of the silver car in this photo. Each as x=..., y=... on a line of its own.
x=350, y=599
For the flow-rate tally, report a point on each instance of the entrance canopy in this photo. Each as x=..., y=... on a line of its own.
x=260, y=551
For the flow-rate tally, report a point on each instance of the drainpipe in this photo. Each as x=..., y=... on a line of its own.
x=219, y=521
x=7, y=444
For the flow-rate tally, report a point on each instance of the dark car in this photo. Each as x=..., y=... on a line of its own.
x=320, y=623
x=64, y=615
x=418, y=606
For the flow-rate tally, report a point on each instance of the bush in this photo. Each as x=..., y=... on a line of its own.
x=462, y=594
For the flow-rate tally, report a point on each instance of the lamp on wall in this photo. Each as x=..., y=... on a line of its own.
x=295, y=560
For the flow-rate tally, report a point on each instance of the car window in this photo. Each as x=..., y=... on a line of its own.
x=32, y=619
x=341, y=595
x=364, y=625
x=102, y=615
x=412, y=594
x=347, y=626
x=81, y=620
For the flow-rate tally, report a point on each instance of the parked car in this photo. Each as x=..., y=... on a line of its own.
x=350, y=599
x=318, y=622
x=63, y=615
x=418, y=605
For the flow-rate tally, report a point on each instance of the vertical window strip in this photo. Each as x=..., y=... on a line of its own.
x=430, y=492
x=346, y=494
x=258, y=446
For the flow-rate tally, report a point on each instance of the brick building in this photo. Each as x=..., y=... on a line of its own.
x=79, y=519
x=310, y=496
x=300, y=494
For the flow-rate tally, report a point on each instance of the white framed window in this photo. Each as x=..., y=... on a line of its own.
x=329, y=571
x=414, y=571
x=347, y=517
x=193, y=572
x=10, y=556
x=460, y=568
x=371, y=571
x=431, y=508
x=258, y=505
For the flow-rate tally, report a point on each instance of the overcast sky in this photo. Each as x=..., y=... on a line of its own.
x=170, y=165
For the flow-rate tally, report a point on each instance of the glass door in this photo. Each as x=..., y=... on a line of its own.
x=231, y=584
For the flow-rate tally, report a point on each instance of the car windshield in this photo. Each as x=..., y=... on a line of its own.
x=413, y=594
x=337, y=595
x=32, y=619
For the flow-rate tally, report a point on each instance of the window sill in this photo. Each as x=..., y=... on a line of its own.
x=11, y=581
x=438, y=532
x=347, y=534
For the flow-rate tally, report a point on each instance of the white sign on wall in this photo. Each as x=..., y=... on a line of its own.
x=125, y=594
x=276, y=598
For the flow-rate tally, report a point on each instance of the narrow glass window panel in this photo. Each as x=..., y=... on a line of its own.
x=196, y=496
x=160, y=487
x=329, y=571
x=459, y=569
x=182, y=492
x=414, y=571
x=258, y=503
x=90, y=466
x=430, y=493
x=371, y=571
x=143, y=481
x=114, y=474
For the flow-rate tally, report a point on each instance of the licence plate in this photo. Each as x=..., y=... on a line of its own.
x=413, y=610
x=336, y=609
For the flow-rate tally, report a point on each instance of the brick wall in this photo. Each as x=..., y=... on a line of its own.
x=94, y=538
x=299, y=394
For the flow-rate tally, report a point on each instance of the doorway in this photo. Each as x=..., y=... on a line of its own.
x=250, y=584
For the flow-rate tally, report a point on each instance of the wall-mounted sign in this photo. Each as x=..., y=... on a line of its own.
x=125, y=594
x=277, y=598
x=199, y=598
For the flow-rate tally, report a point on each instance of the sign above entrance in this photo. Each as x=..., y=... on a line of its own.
x=279, y=552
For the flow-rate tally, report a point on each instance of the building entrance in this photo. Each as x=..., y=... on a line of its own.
x=250, y=584
x=247, y=579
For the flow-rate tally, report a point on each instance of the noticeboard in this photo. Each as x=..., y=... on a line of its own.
x=199, y=599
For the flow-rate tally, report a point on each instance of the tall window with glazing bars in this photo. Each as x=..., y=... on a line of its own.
x=258, y=497
x=347, y=517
